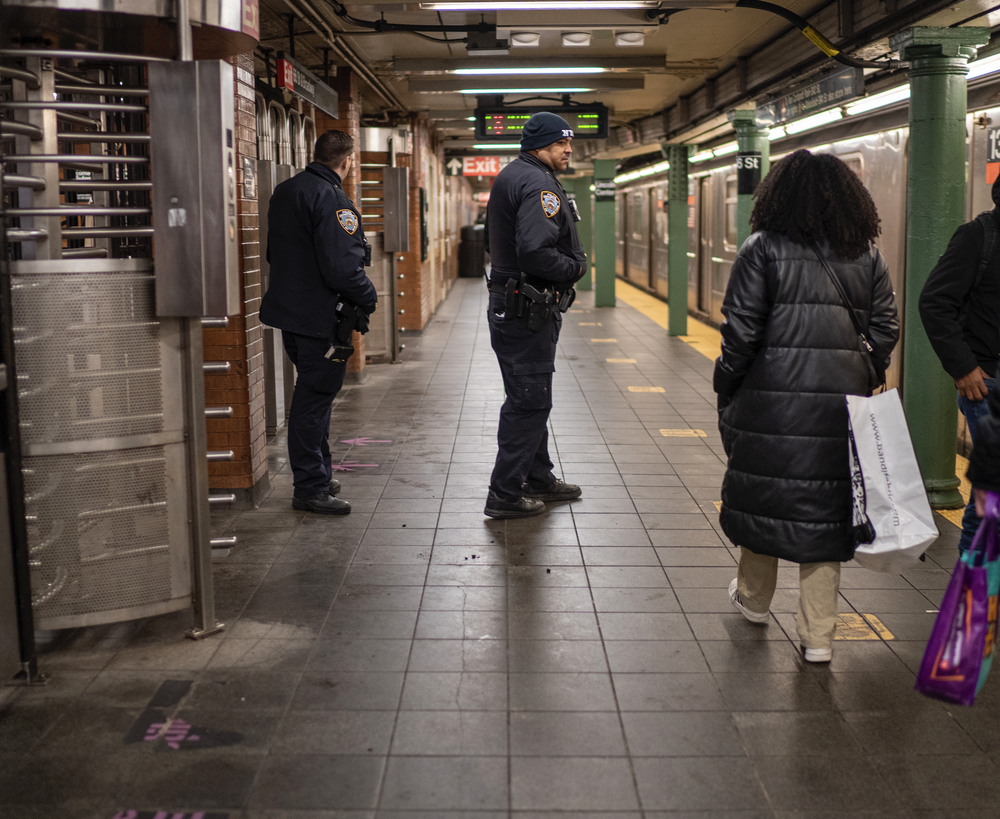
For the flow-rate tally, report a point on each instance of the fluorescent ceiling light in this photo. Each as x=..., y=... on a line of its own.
x=590, y=69
x=701, y=156
x=470, y=119
x=815, y=121
x=725, y=150
x=777, y=133
x=881, y=100
x=524, y=90
x=540, y=5
x=987, y=65
x=497, y=146
x=660, y=167
x=576, y=39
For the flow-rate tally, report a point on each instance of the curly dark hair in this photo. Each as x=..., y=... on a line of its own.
x=816, y=197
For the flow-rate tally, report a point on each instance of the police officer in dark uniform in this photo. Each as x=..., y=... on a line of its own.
x=536, y=258
x=317, y=251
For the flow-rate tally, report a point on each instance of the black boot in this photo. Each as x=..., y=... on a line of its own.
x=323, y=504
x=558, y=491
x=521, y=508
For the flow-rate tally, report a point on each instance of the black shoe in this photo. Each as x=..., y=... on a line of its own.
x=521, y=508
x=323, y=504
x=334, y=487
x=558, y=491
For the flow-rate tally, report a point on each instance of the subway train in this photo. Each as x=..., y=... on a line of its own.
x=873, y=145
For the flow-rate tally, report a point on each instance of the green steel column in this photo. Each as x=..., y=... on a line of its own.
x=753, y=159
x=935, y=206
x=604, y=232
x=677, y=243
x=585, y=227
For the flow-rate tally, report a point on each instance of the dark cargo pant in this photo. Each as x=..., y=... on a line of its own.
x=527, y=361
x=317, y=382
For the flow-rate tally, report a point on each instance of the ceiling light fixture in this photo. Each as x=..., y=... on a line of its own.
x=566, y=90
x=497, y=146
x=815, y=121
x=541, y=5
x=591, y=69
x=777, y=133
x=576, y=39
x=701, y=156
x=525, y=39
x=725, y=150
x=876, y=101
x=984, y=66
x=629, y=38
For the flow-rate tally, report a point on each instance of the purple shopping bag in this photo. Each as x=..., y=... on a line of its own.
x=960, y=651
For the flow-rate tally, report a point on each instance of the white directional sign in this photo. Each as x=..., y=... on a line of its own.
x=454, y=166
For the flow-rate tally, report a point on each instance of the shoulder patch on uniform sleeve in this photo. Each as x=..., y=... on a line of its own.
x=550, y=203
x=348, y=220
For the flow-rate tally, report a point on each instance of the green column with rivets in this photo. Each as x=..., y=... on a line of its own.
x=677, y=240
x=585, y=227
x=935, y=206
x=753, y=159
x=604, y=232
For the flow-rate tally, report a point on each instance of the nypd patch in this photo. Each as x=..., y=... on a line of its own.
x=550, y=203
x=348, y=220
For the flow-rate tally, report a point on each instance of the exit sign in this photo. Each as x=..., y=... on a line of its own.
x=477, y=165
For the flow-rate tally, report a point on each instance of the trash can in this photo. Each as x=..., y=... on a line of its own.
x=472, y=251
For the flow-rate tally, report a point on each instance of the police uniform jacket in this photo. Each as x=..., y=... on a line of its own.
x=789, y=356
x=530, y=227
x=316, y=251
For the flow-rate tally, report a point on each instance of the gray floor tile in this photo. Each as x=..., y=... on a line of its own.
x=688, y=783
x=565, y=691
x=311, y=782
x=683, y=734
x=450, y=733
x=572, y=783
x=668, y=692
x=454, y=691
x=445, y=783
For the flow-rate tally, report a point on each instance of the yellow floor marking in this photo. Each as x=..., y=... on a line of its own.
x=880, y=629
x=579, y=311
x=591, y=324
x=706, y=340
x=955, y=515
x=683, y=433
x=646, y=389
x=620, y=360
x=861, y=627
x=717, y=505
x=604, y=340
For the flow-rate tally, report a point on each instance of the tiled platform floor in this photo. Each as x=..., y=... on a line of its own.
x=418, y=660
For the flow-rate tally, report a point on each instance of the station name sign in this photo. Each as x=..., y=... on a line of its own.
x=294, y=77
x=826, y=92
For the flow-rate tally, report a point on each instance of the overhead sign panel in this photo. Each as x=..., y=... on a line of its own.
x=294, y=77
x=826, y=92
x=476, y=165
x=505, y=123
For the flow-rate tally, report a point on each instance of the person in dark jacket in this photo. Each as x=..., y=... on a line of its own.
x=961, y=321
x=317, y=251
x=790, y=354
x=536, y=258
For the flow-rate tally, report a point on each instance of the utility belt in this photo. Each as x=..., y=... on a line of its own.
x=537, y=304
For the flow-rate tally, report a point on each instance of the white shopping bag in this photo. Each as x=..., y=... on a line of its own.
x=887, y=485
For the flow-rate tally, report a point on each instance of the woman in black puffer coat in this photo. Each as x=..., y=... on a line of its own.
x=789, y=356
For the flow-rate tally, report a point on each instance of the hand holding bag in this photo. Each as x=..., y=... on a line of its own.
x=892, y=521
x=960, y=651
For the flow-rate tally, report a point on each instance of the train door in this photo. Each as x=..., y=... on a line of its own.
x=694, y=240
x=660, y=237
x=620, y=228
x=637, y=231
x=706, y=224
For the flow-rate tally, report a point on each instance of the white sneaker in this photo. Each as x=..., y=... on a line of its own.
x=817, y=655
x=752, y=616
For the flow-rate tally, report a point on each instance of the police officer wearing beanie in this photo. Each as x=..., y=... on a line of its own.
x=536, y=258
x=317, y=251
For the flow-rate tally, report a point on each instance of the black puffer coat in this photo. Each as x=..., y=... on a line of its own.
x=789, y=355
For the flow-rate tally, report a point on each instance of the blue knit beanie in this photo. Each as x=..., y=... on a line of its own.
x=542, y=130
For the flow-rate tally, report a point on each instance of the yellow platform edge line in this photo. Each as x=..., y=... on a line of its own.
x=706, y=340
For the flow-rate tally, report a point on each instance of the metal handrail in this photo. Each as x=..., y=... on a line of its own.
x=218, y=412
x=56, y=105
x=102, y=185
x=105, y=232
x=78, y=210
x=102, y=90
x=78, y=159
x=12, y=126
x=26, y=234
x=21, y=74
x=18, y=180
x=80, y=55
x=104, y=136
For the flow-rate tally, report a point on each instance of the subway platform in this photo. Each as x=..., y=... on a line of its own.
x=416, y=659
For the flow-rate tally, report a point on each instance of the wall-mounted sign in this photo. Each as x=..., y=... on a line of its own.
x=250, y=22
x=477, y=165
x=826, y=92
x=294, y=77
x=604, y=190
x=505, y=123
x=747, y=173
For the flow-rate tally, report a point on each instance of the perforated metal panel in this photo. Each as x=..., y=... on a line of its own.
x=103, y=437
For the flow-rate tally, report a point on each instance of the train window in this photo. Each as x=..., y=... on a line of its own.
x=731, y=212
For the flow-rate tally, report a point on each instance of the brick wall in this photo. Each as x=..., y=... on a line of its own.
x=242, y=343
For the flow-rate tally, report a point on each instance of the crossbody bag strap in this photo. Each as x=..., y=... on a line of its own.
x=843, y=296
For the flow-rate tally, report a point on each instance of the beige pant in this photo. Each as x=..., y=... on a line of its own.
x=819, y=584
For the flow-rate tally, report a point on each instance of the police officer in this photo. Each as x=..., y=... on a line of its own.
x=536, y=259
x=317, y=251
